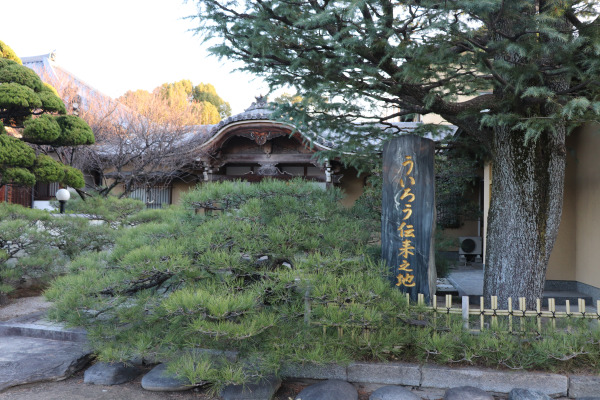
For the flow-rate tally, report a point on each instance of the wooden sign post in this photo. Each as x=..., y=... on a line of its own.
x=408, y=214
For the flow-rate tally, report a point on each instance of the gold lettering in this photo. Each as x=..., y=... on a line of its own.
x=410, y=164
x=406, y=280
x=407, y=211
x=406, y=194
x=406, y=230
x=406, y=248
x=404, y=266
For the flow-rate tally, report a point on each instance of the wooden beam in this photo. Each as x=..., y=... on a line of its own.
x=264, y=158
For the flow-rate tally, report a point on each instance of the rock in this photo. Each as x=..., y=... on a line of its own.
x=159, y=380
x=393, y=393
x=27, y=360
x=110, y=374
x=263, y=390
x=329, y=390
x=467, y=393
x=526, y=394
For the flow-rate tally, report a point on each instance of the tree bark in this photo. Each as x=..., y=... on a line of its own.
x=525, y=212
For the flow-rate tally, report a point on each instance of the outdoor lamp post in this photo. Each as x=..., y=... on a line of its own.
x=62, y=196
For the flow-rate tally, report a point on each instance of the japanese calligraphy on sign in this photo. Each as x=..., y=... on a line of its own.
x=408, y=214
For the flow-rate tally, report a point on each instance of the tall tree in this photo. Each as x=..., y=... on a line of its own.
x=142, y=141
x=35, y=115
x=202, y=98
x=528, y=69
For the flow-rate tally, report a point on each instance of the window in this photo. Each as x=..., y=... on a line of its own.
x=153, y=196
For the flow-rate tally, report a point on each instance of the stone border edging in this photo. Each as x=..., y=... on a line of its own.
x=441, y=377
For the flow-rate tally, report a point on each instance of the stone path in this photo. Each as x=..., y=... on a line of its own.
x=26, y=360
x=33, y=349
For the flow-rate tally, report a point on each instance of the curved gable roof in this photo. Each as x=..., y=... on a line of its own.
x=258, y=113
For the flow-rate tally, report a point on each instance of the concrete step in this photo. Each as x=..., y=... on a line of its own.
x=37, y=326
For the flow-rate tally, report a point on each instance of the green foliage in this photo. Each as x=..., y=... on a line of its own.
x=73, y=177
x=51, y=102
x=276, y=271
x=14, y=152
x=231, y=278
x=510, y=73
x=13, y=72
x=14, y=96
x=30, y=106
x=207, y=93
x=40, y=246
x=76, y=131
x=18, y=176
x=203, y=93
x=46, y=169
x=44, y=129
x=8, y=53
x=110, y=208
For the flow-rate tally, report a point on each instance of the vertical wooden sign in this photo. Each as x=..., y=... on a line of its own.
x=408, y=214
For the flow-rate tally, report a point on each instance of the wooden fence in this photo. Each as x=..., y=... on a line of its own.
x=512, y=313
x=515, y=319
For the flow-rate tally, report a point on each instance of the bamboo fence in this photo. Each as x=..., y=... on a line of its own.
x=511, y=313
x=475, y=319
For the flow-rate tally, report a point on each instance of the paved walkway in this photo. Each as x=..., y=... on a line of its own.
x=468, y=281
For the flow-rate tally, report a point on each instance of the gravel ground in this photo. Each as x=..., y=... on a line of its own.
x=23, y=306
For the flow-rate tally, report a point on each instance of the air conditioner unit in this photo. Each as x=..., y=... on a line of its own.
x=470, y=245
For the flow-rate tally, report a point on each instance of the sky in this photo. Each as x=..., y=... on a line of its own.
x=120, y=45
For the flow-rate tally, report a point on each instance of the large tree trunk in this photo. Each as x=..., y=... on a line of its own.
x=525, y=212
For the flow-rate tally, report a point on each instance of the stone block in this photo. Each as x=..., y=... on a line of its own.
x=393, y=393
x=387, y=373
x=262, y=390
x=110, y=374
x=584, y=386
x=553, y=385
x=313, y=371
x=159, y=380
x=526, y=394
x=329, y=390
x=467, y=392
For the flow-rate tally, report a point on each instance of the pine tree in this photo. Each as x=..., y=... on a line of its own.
x=36, y=115
x=517, y=75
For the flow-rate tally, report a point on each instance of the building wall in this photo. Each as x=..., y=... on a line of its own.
x=575, y=253
x=563, y=261
x=352, y=185
x=179, y=189
x=588, y=206
x=487, y=190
